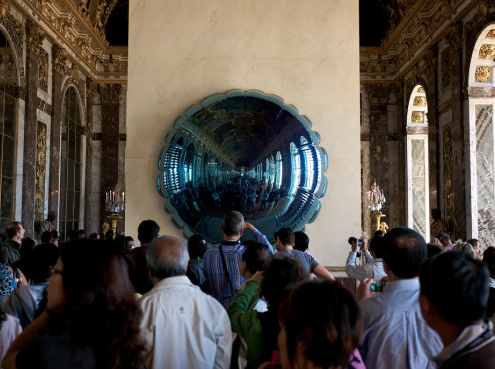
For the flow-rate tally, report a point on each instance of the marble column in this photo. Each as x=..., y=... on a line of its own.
x=378, y=95
x=34, y=38
x=431, y=76
x=59, y=63
x=454, y=38
x=400, y=202
x=90, y=96
x=110, y=102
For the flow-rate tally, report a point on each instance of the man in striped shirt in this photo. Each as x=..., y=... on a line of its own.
x=223, y=282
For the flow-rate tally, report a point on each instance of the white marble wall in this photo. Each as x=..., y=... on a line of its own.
x=306, y=51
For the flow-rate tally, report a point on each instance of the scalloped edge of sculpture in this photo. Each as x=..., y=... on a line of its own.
x=315, y=207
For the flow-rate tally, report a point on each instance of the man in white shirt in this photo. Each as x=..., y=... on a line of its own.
x=373, y=268
x=182, y=326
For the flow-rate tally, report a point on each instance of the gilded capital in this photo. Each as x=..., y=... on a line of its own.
x=4, y=8
x=91, y=88
x=397, y=88
x=34, y=37
x=60, y=60
x=111, y=94
x=378, y=93
x=454, y=36
x=431, y=58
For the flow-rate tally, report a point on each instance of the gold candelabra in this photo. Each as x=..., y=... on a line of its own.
x=114, y=204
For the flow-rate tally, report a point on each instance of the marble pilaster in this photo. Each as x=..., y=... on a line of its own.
x=459, y=196
x=378, y=95
x=431, y=76
x=110, y=103
x=59, y=67
x=34, y=38
x=90, y=96
x=399, y=150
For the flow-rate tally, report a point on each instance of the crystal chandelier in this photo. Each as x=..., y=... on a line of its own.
x=114, y=201
x=376, y=198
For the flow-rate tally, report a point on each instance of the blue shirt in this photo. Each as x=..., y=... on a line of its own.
x=218, y=285
x=395, y=333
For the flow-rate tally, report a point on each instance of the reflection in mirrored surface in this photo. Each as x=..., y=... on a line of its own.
x=243, y=151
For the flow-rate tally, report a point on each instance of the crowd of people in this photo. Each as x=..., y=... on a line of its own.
x=104, y=303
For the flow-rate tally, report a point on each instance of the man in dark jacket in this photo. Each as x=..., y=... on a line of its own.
x=453, y=298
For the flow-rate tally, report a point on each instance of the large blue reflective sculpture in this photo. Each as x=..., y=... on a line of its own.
x=245, y=151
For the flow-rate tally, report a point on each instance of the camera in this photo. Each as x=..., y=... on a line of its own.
x=377, y=287
x=359, y=243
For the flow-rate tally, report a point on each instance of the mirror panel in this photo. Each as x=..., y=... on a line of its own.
x=244, y=151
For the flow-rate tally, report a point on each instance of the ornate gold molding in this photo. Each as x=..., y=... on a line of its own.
x=111, y=94
x=483, y=8
x=421, y=90
x=40, y=172
x=43, y=70
x=76, y=76
x=419, y=101
x=445, y=68
x=483, y=74
x=4, y=9
x=398, y=89
x=454, y=36
x=491, y=34
x=418, y=117
x=378, y=93
x=487, y=52
x=59, y=60
x=431, y=58
x=91, y=88
x=34, y=37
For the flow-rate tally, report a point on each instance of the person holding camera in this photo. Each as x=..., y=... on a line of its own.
x=373, y=268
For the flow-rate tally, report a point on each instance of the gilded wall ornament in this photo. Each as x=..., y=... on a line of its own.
x=378, y=93
x=491, y=34
x=454, y=36
x=43, y=70
x=91, y=88
x=421, y=90
x=418, y=117
x=431, y=58
x=111, y=94
x=445, y=68
x=34, y=37
x=4, y=9
x=59, y=60
x=76, y=76
x=419, y=101
x=448, y=176
x=40, y=172
x=483, y=74
x=487, y=52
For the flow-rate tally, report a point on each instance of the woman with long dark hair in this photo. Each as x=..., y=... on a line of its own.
x=321, y=326
x=91, y=320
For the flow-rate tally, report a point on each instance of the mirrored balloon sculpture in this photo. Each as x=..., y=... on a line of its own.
x=245, y=151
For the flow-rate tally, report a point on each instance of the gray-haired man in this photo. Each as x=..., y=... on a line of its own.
x=183, y=327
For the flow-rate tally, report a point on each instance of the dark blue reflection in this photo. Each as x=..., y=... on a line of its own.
x=243, y=151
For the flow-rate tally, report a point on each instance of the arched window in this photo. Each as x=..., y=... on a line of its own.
x=481, y=133
x=8, y=124
x=278, y=157
x=71, y=168
x=296, y=168
x=417, y=163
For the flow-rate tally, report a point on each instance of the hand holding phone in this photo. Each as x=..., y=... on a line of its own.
x=377, y=287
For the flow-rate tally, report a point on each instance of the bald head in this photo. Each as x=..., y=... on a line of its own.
x=167, y=257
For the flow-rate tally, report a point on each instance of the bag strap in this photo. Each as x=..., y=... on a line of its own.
x=226, y=270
